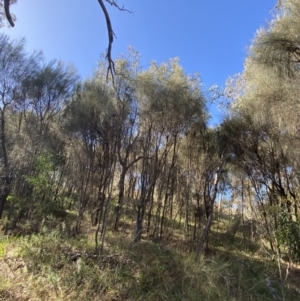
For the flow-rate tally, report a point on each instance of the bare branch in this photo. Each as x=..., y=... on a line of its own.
x=114, y=3
x=111, y=35
x=279, y=4
x=7, y=13
x=111, y=64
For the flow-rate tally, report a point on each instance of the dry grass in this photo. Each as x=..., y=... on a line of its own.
x=40, y=267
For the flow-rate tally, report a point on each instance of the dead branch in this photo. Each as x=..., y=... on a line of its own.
x=111, y=64
x=111, y=35
x=7, y=13
x=114, y=3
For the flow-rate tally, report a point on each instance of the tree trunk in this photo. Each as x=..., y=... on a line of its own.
x=205, y=232
x=121, y=198
x=139, y=222
x=169, y=191
x=6, y=178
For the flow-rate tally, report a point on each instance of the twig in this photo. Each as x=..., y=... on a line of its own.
x=114, y=3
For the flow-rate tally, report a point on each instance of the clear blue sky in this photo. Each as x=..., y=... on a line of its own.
x=209, y=36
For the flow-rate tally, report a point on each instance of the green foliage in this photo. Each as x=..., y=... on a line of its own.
x=43, y=183
x=171, y=97
x=288, y=234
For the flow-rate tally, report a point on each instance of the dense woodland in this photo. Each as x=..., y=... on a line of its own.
x=136, y=156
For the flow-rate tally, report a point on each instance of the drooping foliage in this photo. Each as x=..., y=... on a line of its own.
x=265, y=122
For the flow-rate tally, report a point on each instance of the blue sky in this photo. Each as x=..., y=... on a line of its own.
x=209, y=36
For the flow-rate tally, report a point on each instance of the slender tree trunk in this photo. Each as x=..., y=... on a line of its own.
x=147, y=183
x=4, y=196
x=125, y=168
x=104, y=225
x=158, y=211
x=151, y=201
x=82, y=204
x=242, y=192
x=6, y=178
x=139, y=223
x=99, y=207
x=168, y=191
x=121, y=198
x=187, y=199
x=58, y=185
x=205, y=232
x=141, y=208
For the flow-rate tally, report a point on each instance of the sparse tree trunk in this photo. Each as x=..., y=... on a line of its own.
x=149, y=214
x=107, y=205
x=141, y=207
x=6, y=178
x=187, y=198
x=82, y=202
x=205, y=232
x=139, y=222
x=169, y=190
x=125, y=167
x=120, y=199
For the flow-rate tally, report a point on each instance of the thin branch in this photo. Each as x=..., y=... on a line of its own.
x=279, y=4
x=114, y=3
x=7, y=13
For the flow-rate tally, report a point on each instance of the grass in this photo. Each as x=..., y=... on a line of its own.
x=40, y=267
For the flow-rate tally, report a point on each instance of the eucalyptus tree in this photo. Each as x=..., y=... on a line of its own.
x=215, y=153
x=90, y=118
x=265, y=112
x=170, y=102
x=265, y=156
x=44, y=93
x=32, y=96
x=126, y=128
x=272, y=68
x=15, y=66
x=44, y=96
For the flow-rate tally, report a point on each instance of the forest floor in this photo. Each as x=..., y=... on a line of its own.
x=51, y=265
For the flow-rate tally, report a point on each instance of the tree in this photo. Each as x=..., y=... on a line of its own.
x=89, y=121
x=127, y=126
x=16, y=66
x=33, y=94
x=171, y=103
x=40, y=145
x=216, y=153
x=265, y=126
